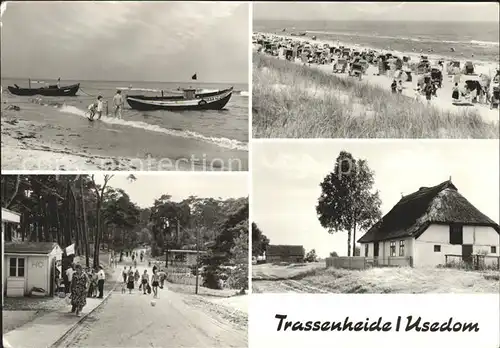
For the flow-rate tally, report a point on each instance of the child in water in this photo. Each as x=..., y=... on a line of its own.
x=96, y=108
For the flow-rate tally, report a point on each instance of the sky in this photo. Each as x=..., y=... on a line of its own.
x=286, y=178
x=375, y=11
x=179, y=185
x=126, y=41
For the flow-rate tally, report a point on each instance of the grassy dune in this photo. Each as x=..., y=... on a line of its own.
x=292, y=101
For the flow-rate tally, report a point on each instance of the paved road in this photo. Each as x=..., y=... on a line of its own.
x=178, y=320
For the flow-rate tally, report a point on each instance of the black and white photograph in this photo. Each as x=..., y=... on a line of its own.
x=375, y=70
x=386, y=217
x=125, y=260
x=125, y=85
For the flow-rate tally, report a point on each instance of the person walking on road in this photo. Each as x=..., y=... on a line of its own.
x=124, y=274
x=100, y=281
x=154, y=283
x=79, y=290
x=69, y=276
x=137, y=275
x=130, y=282
x=145, y=281
x=162, y=276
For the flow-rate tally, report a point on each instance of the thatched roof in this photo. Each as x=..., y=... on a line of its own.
x=41, y=248
x=285, y=250
x=440, y=204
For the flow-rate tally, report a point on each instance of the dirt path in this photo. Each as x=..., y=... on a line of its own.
x=177, y=320
x=129, y=320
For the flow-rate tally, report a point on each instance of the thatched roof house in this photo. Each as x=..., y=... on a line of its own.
x=432, y=220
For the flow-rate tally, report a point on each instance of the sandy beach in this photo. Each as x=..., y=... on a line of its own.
x=443, y=101
x=54, y=137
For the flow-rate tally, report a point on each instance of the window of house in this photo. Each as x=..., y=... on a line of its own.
x=437, y=248
x=16, y=267
x=393, y=248
x=401, y=248
x=493, y=249
x=456, y=234
x=366, y=250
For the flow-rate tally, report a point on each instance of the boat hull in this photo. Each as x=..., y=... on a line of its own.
x=65, y=91
x=203, y=101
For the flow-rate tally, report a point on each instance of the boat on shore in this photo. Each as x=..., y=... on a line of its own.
x=49, y=91
x=186, y=99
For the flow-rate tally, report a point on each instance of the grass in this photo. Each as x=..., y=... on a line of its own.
x=401, y=280
x=268, y=271
x=293, y=101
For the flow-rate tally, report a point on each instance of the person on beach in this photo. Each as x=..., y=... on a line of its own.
x=118, y=103
x=79, y=290
x=394, y=86
x=428, y=89
x=145, y=281
x=155, y=278
x=400, y=87
x=455, y=94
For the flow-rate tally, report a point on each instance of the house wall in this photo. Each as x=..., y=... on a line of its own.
x=481, y=237
x=384, y=257
x=37, y=273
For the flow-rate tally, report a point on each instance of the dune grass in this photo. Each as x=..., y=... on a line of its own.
x=404, y=280
x=293, y=101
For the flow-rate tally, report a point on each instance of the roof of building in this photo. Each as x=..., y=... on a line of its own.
x=182, y=251
x=29, y=247
x=440, y=204
x=285, y=250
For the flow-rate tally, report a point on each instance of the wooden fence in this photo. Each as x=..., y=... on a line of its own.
x=360, y=262
x=476, y=262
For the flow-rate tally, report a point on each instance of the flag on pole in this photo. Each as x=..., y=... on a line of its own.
x=194, y=77
x=70, y=250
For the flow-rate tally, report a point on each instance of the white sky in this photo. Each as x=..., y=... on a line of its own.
x=386, y=11
x=286, y=178
x=180, y=185
x=126, y=41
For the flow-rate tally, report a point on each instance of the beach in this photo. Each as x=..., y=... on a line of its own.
x=443, y=99
x=358, y=106
x=54, y=133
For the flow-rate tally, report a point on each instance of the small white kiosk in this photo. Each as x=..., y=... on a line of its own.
x=29, y=265
x=8, y=216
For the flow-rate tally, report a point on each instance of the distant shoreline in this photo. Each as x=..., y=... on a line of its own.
x=124, y=81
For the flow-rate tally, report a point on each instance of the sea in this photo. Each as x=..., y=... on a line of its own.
x=479, y=41
x=227, y=128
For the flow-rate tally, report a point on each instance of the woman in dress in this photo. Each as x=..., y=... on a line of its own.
x=79, y=290
x=137, y=276
x=155, y=278
x=130, y=281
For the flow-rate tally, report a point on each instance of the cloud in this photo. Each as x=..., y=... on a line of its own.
x=143, y=40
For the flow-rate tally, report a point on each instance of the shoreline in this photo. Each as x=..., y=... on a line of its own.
x=29, y=143
x=412, y=54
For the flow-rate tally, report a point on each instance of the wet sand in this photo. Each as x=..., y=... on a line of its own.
x=44, y=138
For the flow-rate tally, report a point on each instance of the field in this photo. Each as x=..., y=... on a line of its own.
x=294, y=101
x=315, y=278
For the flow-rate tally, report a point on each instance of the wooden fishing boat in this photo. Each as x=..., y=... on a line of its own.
x=190, y=99
x=50, y=91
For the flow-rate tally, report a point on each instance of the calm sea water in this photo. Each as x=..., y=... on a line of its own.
x=478, y=39
x=227, y=127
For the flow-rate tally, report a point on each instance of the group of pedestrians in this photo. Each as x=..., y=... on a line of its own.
x=132, y=278
x=82, y=284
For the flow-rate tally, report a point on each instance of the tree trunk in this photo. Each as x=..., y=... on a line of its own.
x=354, y=240
x=349, y=243
x=97, y=239
x=84, y=226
